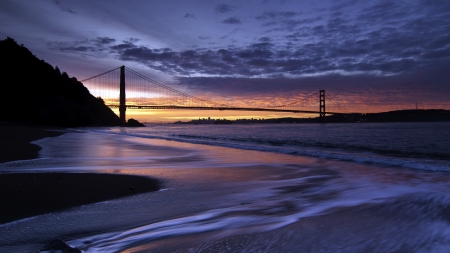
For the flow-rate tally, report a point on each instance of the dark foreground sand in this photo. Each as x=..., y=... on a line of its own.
x=28, y=194
x=15, y=141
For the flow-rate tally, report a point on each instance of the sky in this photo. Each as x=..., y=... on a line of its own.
x=371, y=56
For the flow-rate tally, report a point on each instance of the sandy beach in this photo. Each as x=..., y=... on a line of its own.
x=28, y=194
x=15, y=141
x=215, y=198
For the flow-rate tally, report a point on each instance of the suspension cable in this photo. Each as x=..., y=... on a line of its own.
x=337, y=103
x=173, y=90
x=99, y=75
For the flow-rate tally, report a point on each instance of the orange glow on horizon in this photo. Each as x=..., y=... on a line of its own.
x=173, y=115
x=170, y=116
x=364, y=99
x=357, y=101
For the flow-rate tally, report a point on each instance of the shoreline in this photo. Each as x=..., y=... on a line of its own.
x=221, y=199
x=16, y=141
x=29, y=194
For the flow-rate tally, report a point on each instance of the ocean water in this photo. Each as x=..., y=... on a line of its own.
x=424, y=146
x=252, y=188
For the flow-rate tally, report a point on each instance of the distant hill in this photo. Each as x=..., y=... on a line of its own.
x=429, y=115
x=32, y=91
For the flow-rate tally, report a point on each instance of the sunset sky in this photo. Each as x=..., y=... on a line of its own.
x=370, y=55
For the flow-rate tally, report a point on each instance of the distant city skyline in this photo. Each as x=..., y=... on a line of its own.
x=371, y=55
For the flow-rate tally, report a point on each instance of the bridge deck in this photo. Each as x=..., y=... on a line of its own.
x=159, y=107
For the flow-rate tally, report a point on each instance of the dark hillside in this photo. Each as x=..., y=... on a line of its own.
x=429, y=115
x=32, y=91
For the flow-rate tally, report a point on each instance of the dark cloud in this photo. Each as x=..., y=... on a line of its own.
x=437, y=54
x=92, y=47
x=132, y=40
x=189, y=15
x=232, y=21
x=63, y=7
x=224, y=8
x=79, y=49
x=205, y=37
x=122, y=46
x=262, y=45
x=104, y=40
x=380, y=54
x=265, y=39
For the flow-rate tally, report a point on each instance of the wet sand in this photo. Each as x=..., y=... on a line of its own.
x=15, y=141
x=28, y=194
x=24, y=195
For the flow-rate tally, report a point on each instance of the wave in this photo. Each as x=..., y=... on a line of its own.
x=318, y=150
x=270, y=216
x=337, y=146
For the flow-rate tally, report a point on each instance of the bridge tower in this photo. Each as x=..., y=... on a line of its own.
x=122, y=105
x=322, y=104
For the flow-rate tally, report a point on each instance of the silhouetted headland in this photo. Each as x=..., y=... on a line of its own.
x=34, y=92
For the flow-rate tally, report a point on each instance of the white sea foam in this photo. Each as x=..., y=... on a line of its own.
x=229, y=221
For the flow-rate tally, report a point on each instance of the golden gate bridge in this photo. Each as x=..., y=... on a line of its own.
x=125, y=88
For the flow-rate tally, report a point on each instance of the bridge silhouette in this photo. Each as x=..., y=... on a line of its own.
x=136, y=91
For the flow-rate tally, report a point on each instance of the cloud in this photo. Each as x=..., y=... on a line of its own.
x=355, y=45
x=232, y=21
x=104, y=40
x=381, y=52
x=371, y=91
x=78, y=49
x=224, y=8
x=93, y=47
x=132, y=40
x=303, y=46
x=63, y=7
x=265, y=39
x=122, y=46
x=266, y=58
x=338, y=45
x=369, y=56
